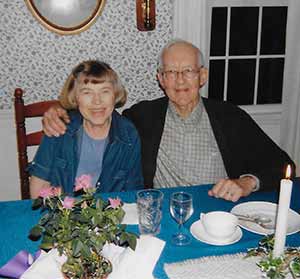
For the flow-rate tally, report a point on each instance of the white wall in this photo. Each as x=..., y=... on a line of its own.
x=9, y=185
x=268, y=119
x=9, y=171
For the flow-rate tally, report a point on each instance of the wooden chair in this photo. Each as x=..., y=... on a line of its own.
x=24, y=140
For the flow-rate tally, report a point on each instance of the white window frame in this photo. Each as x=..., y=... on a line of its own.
x=191, y=13
x=252, y=109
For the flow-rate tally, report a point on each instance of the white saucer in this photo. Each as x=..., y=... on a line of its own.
x=268, y=210
x=197, y=230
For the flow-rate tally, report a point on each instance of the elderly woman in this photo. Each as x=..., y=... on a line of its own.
x=99, y=142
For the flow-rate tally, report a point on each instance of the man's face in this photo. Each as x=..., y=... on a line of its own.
x=182, y=89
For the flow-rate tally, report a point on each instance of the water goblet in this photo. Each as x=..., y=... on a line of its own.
x=181, y=208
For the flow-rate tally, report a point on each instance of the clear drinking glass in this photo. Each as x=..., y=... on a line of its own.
x=181, y=208
x=149, y=205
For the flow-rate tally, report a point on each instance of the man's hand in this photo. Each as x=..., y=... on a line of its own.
x=233, y=189
x=54, y=121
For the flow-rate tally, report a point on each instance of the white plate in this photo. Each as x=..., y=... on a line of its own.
x=197, y=230
x=265, y=209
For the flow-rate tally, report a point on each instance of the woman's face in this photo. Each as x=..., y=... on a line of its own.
x=95, y=102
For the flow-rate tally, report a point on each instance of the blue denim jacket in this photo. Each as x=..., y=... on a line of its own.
x=57, y=159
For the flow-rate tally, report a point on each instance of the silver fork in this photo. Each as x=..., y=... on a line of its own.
x=259, y=220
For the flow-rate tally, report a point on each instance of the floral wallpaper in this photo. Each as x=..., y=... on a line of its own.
x=38, y=60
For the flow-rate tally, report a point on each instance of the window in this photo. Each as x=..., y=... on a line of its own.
x=247, y=51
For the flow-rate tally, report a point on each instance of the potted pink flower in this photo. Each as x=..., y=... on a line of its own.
x=79, y=227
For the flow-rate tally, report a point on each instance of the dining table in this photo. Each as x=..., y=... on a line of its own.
x=18, y=217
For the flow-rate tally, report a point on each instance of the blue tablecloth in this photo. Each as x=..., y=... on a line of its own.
x=17, y=217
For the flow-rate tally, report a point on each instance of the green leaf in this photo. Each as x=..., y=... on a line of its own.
x=123, y=238
x=36, y=231
x=295, y=267
x=45, y=218
x=76, y=247
x=251, y=253
x=46, y=245
x=120, y=214
x=129, y=238
x=81, y=218
x=97, y=220
x=100, y=204
x=74, y=234
x=85, y=251
x=47, y=238
x=99, y=246
x=37, y=203
x=113, y=218
x=131, y=241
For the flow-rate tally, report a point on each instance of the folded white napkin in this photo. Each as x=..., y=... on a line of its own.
x=131, y=214
x=129, y=264
x=47, y=266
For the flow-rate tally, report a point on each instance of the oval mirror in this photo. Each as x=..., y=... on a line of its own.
x=66, y=16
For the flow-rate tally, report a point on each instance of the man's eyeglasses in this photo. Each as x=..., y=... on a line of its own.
x=186, y=74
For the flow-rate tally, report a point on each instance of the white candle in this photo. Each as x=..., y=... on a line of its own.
x=282, y=214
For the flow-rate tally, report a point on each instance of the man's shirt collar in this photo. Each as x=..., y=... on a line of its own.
x=192, y=120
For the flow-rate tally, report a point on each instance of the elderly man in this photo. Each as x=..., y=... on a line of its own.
x=189, y=140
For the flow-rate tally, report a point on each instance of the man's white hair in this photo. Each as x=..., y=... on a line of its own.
x=175, y=42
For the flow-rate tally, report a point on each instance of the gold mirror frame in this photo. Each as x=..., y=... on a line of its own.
x=74, y=28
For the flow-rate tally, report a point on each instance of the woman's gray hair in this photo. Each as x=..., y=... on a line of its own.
x=175, y=42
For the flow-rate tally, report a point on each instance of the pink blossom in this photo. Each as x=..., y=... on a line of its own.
x=56, y=191
x=46, y=192
x=49, y=192
x=114, y=203
x=68, y=202
x=83, y=182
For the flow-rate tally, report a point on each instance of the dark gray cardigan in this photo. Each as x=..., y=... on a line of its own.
x=244, y=147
